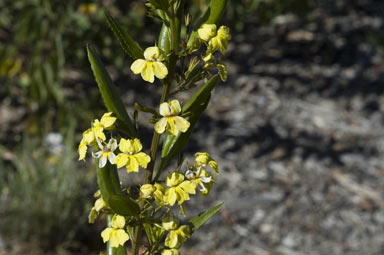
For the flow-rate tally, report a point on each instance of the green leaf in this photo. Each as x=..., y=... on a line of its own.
x=109, y=92
x=164, y=41
x=173, y=145
x=160, y=4
x=216, y=9
x=202, y=218
x=108, y=181
x=130, y=46
x=123, y=205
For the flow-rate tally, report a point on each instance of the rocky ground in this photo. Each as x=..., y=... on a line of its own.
x=298, y=131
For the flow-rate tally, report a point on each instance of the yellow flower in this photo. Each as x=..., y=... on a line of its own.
x=170, y=223
x=152, y=65
x=176, y=237
x=106, y=152
x=131, y=157
x=220, y=41
x=179, y=189
x=147, y=190
x=88, y=8
x=170, y=252
x=116, y=234
x=207, y=31
x=95, y=211
x=96, y=132
x=203, y=159
x=171, y=122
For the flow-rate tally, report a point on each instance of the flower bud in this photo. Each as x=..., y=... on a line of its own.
x=170, y=223
x=147, y=190
x=207, y=31
x=170, y=252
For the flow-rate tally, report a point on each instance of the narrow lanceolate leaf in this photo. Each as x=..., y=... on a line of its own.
x=164, y=39
x=123, y=205
x=202, y=218
x=195, y=106
x=108, y=181
x=130, y=46
x=109, y=93
x=216, y=9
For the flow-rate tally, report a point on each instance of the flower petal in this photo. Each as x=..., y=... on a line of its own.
x=97, y=154
x=165, y=109
x=160, y=125
x=88, y=136
x=133, y=165
x=112, y=144
x=82, y=150
x=118, y=221
x=206, y=179
x=102, y=162
x=181, y=124
x=174, y=179
x=143, y=159
x=106, y=234
x=152, y=53
x=122, y=236
x=160, y=70
x=111, y=158
x=137, y=146
x=207, y=31
x=107, y=120
x=188, y=187
x=171, y=127
x=121, y=160
x=147, y=73
x=138, y=65
x=125, y=145
x=175, y=107
x=170, y=196
x=98, y=132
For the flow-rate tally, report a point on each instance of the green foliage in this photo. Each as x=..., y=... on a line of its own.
x=202, y=218
x=130, y=47
x=109, y=92
x=44, y=195
x=124, y=205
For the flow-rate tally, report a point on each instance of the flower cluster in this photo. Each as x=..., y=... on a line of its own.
x=130, y=155
x=216, y=39
x=96, y=132
x=148, y=212
x=180, y=186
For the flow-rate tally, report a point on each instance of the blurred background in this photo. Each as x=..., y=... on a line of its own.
x=297, y=129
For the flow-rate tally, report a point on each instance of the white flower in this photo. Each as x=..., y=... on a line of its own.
x=201, y=178
x=106, y=152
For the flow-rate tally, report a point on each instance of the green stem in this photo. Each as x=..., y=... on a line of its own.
x=167, y=82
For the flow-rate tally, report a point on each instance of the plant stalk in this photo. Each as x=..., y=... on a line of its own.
x=167, y=83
